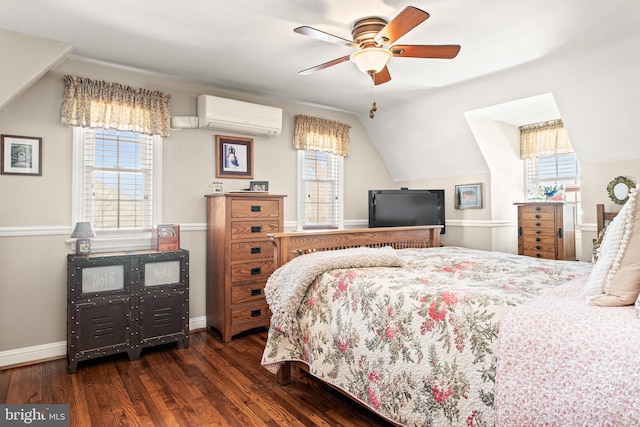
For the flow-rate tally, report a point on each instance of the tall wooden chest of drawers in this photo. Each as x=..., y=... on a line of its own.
x=240, y=259
x=547, y=230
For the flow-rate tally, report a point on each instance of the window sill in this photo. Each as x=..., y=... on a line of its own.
x=112, y=244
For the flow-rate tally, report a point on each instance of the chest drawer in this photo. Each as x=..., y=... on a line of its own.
x=250, y=313
x=538, y=212
x=538, y=223
x=254, y=271
x=541, y=254
x=246, y=293
x=255, y=208
x=253, y=229
x=251, y=250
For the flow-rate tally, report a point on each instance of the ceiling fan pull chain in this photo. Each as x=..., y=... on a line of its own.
x=373, y=103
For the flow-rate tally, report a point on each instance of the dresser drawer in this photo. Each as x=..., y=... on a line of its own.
x=540, y=239
x=532, y=233
x=540, y=247
x=260, y=249
x=241, y=208
x=537, y=223
x=246, y=293
x=541, y=210
x=250, y=313
x=540, y=254
x=258, y=271
x=253, y=229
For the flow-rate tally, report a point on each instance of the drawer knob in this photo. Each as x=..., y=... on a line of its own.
x=538, y=255
x=256, y=229
x=256, y=292
x=538, y=247
x=256, y=313
x=256, y=270
x=537, y=239
x=537, y=231
x=256, y=250
x=537, y=224
x=255, y=208
x=537, y=215
x=537, y=208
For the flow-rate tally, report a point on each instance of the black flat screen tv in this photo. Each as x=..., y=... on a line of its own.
x=399, y=208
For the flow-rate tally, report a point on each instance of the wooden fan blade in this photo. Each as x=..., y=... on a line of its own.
x=426, y=51
x=325, y=37
x=404, y=22
x=381, y=76
x=325, y=65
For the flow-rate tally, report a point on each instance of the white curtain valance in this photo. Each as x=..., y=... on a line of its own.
x=545, y=138
x=92, y=103
x=314, y=133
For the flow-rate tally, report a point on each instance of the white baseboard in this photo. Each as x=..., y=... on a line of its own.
x=57, y=350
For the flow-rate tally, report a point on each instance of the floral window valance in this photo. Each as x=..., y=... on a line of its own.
x=545, y=138
x=91, y=103
x=314, y=133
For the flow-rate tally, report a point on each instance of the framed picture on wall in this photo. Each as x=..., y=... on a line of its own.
x=21, y=155
x=234, y=157
x=468, y=196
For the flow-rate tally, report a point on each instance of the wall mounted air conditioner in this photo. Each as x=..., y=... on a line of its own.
x=238, y=116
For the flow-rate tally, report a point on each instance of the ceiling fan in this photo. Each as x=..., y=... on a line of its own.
x=371, y=35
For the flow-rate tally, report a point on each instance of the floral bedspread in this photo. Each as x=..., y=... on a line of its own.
x=417, y=343
x=562, y=362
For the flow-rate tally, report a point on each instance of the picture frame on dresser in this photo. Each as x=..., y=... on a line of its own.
x=234, y=157
x=21, y=155
x=259, y=186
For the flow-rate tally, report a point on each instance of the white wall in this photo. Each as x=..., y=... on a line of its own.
x=35, y=212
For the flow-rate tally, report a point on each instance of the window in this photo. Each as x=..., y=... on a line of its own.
x=117, y=180
x=319, y=190
x=553, y=169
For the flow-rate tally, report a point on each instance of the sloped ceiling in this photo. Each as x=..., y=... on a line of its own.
x=27, y=59
x=582, y=52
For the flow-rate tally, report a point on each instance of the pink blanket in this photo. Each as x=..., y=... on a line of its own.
x=562, y=362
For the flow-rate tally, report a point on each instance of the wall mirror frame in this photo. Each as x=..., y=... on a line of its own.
x=619, y=189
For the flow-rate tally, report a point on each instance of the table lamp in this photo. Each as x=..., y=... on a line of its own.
x=83, y=232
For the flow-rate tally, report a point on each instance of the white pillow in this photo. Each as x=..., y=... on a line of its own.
x=615, y=277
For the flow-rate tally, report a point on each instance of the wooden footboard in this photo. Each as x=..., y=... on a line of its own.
x=290, y=245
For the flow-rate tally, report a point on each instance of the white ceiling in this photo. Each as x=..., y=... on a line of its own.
x=250, y=46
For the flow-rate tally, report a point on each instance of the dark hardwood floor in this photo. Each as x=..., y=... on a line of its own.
x=210, y=383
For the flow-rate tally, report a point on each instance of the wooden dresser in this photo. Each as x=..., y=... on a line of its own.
x=240, y=259
x=547, y=230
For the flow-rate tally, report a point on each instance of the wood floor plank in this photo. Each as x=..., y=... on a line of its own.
x=211, y=383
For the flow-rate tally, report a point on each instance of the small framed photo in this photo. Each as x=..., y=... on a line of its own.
x=234, y=157
x=21, y=155
x=468, y=196
x=262, y=186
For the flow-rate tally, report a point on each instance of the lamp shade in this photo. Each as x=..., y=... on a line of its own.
x=371, y=60
x=83, y=230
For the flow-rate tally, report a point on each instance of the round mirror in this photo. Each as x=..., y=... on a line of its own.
x=619, y=189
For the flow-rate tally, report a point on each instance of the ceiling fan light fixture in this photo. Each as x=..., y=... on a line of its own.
x=371, y=60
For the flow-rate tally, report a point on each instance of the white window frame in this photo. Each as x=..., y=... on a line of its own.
x=569, y=187
x=115, y=239
x=302, y=196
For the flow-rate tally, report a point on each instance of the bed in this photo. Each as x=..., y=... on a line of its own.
x=409, y=329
